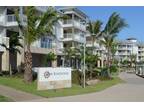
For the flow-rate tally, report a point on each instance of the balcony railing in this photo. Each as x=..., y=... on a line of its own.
x=68, y=35
x=75, y=37
x=75, y=23
x=12, y=18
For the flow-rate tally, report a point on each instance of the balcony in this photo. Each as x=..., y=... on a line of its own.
x=11, y=20
x=73, y=37
x=77, y=24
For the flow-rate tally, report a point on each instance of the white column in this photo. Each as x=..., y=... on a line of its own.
x=5, y=61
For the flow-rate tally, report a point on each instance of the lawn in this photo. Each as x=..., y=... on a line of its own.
x=18, y=84
x=4, y=99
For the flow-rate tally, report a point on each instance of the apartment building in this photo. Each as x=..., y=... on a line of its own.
x=98, y=49
x=8, y=26
x=74, y=30
x=129, y=47
x=70, y=32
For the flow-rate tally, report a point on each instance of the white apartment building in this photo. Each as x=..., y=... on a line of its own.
x=8, y=26
x=74, y=30
x=69, y=32
x=99, y=50
x=129, y=47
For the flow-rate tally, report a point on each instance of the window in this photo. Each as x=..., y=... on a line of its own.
x=46, y=42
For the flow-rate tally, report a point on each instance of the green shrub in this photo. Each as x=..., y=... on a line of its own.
x=76, y=77
x=113, y=69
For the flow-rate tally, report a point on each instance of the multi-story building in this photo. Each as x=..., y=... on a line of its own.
x=98, y=49
x=9, y=25
x=130, y=47
x=70, y=32
x=74, y=29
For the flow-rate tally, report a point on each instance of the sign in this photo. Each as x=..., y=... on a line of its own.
x=53, y=78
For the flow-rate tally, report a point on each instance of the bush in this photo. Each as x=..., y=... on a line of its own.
x=104, y=72
x=113, y=69
x=76, y=77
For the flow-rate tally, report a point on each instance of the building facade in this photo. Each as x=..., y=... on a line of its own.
x=129, y=47
x=70, y=32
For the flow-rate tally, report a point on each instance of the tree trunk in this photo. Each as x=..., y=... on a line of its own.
x=108, y=63
x=28, y=66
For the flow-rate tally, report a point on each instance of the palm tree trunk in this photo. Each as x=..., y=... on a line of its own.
x=28, y=66
x=108, y=63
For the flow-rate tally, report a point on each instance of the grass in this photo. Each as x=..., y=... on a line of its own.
x=5, y=99
x=18, y=84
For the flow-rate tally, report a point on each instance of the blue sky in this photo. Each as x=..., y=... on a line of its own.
x=134, y=16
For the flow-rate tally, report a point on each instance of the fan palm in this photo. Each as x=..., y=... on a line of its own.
x=36, y=27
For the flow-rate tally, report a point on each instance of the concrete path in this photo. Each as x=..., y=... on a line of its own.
x=132, y=90
x=17, y=95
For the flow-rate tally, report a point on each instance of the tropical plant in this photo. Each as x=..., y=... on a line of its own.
x=91, y=61
x=94, y=29
x=132, y=60
x=70, y=53
x=49, y=58
x=37, y=26
x=14, y=46
x=114, y=25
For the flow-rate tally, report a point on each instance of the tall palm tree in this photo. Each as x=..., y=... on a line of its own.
x=114, y=25
x=14, y=45
x=37, y=27
x=94, y=29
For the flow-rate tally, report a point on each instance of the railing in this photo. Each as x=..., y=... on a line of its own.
x=68, y=35
x=12, y=18
x=46, y=45
x=68, y=22
x=76, y=23
x=76, y=37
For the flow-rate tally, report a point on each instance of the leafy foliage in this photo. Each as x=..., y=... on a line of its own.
x=49, y=58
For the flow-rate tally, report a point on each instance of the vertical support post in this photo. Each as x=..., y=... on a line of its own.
x=84, y=66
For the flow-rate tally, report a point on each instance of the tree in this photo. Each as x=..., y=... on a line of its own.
x=132, y=60
x=70, y=54
x=114, y=25
x=94, y=29
x=37, y=26
x=48, y=58
x=91, y=61
x=14, y=45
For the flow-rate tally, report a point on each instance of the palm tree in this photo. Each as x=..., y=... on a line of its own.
x=71, y=54
x=94, y=29
x=132, y=60
x=114, y=25
x=48, y=58
x=14, y=45
x=37, y=27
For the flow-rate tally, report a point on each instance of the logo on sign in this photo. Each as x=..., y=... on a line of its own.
x=47, y=74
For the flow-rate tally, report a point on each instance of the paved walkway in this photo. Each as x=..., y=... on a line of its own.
x=132, y=90
x=17, y=95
